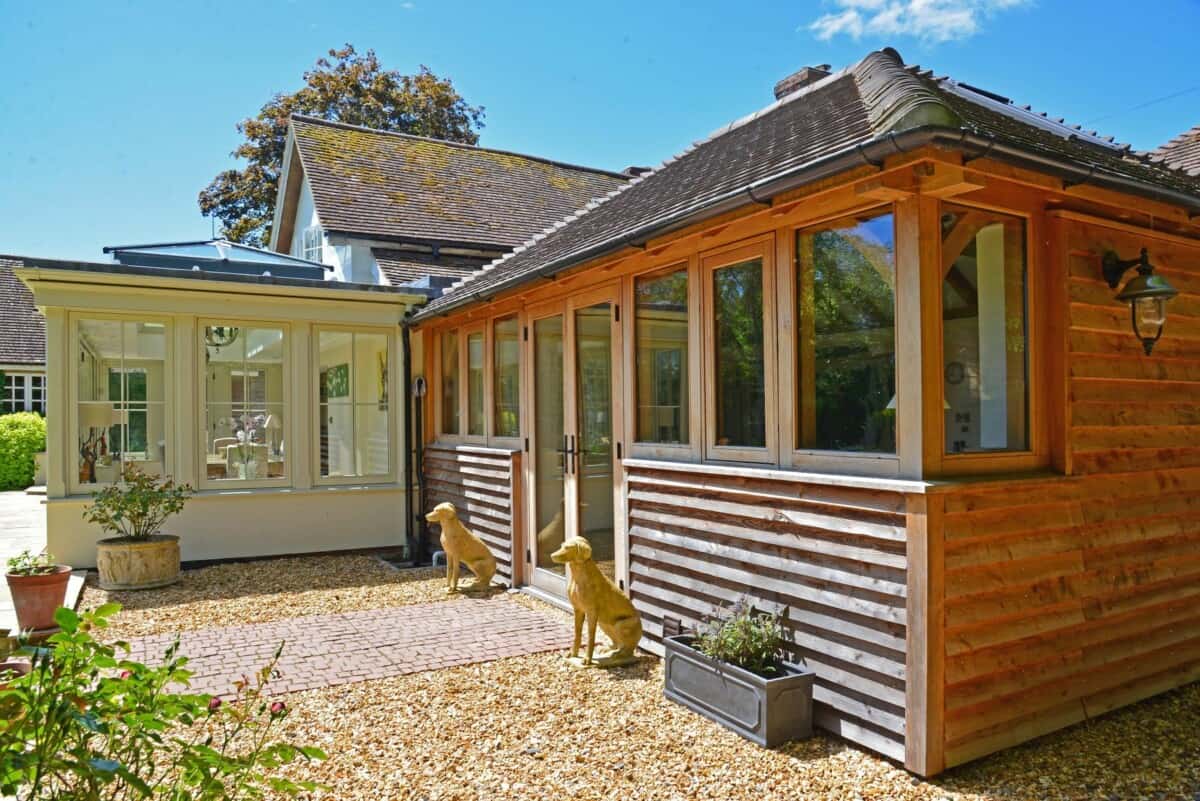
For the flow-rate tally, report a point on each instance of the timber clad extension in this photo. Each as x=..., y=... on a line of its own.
x=994, y=533
x=484, y=486
x=830, y=559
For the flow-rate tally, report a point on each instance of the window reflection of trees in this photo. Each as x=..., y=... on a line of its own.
x=740, y=383
x=848, y=288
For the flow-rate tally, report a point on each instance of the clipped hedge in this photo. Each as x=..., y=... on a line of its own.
x=22, y=434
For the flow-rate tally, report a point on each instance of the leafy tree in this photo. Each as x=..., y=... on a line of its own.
x=346, y=87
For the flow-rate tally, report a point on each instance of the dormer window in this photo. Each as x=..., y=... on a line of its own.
x=312, y=244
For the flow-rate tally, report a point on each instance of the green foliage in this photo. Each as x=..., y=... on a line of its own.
x=87, y=724
x=139, y=506
x=853, y=308
x=22, y=434
x=353, y=89
x=740, y=636
x=30, y=564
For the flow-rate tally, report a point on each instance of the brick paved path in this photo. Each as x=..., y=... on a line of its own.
x=327, y=650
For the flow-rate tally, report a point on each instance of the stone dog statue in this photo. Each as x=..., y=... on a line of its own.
x=461, y=546
x=597, y=600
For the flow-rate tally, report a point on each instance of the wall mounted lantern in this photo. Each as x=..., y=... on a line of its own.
x=1146, y=293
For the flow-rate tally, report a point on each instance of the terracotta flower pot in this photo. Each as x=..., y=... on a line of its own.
x=138, y=564
x=36, y=597
x=11, y=669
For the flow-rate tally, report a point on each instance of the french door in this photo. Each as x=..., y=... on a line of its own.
x=575, y=366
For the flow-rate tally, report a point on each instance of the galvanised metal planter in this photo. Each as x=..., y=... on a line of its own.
x=766, y=711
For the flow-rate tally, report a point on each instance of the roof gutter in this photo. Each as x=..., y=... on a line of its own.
x=872, y=152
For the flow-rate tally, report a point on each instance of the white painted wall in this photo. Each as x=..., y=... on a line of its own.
x=351, y=259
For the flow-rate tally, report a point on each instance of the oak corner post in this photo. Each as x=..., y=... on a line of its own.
x=925, y=663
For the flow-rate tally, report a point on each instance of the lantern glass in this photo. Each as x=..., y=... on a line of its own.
x=1150, y=313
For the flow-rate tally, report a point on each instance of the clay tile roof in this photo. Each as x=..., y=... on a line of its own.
x=22, y=327
x=403, y=266
x=869, y=103
x=1182, y=152
x=394, y=186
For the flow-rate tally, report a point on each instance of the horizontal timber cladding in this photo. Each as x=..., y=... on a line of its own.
x=1064, y=599
x=484, y=486
x=831, y=559
x=1129, y=411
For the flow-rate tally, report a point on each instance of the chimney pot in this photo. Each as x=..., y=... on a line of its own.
x=800, y=78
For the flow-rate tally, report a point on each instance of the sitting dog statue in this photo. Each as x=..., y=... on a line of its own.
x=461, y=546
x=597, y=600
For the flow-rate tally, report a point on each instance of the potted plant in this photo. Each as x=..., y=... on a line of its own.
x=138, y=556
x=38, y=586
x=731, y=671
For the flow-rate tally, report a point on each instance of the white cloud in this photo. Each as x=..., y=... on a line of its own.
x=931, y=20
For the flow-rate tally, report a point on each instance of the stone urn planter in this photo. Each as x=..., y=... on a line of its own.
x=125, y=563
x=766, y=711
x=38, y=587
x=140, y=556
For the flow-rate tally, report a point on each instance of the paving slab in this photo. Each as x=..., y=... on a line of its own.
x=330, y=650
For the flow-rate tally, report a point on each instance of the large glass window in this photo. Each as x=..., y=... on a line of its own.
x=121, y=405
x=985, y=359
x=475, y=379
x=450, y=382
x=353, y=376
x=846, y=336
x=245, y=417
x=661, y=332
x=739, y=360
x=506, y=388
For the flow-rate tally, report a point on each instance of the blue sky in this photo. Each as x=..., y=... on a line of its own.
x=114, y=115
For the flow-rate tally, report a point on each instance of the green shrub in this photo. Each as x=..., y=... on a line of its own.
x=22, y=434
x=137, y=508
x=86, y=724
x=740, y=636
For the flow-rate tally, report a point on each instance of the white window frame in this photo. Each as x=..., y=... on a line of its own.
x=22, y=396
x=309, y=249
x=201, y=431
x=393, y=395
x=74, y=485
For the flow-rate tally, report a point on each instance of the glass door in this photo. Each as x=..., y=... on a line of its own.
x=549, y=452
x=576, y=388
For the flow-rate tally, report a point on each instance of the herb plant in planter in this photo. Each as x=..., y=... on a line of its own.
x=138, y=556
x=732, y=671
x=38, y=586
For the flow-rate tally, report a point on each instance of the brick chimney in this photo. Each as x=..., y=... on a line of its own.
x=802, y=77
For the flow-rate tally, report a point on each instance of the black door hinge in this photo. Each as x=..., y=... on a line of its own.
x=527, y=444
x=621, y=584
x=617, y=313
x=528, y=555
x=619, y=457
x=525, y=333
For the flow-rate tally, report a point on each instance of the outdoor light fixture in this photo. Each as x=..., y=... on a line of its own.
x=1146, y=293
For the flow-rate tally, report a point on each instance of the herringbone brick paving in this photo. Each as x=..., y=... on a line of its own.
x=328, y=650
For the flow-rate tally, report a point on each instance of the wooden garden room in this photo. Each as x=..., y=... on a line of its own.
x=856, y=357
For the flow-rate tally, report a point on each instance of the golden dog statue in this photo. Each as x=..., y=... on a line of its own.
x=597, y=600
x=461, y=546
